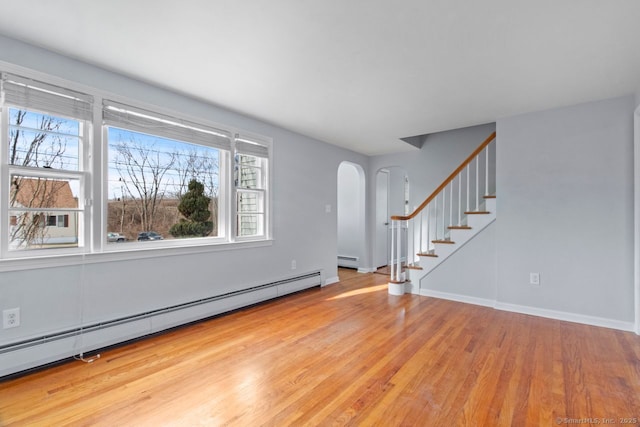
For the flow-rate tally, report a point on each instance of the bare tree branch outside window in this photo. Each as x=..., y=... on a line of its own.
x=33, y=142
x=142, y=169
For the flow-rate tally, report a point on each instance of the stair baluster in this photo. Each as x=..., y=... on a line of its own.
x=436, y=218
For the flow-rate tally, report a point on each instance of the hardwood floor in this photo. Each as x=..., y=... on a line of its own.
x=346, y=354
x=347, y=273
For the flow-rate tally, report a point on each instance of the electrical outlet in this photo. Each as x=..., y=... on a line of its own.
x=534, y=279
x=10, y=318
x=293, y=264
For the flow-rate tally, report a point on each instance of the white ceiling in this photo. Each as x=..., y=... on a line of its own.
x=355, y=73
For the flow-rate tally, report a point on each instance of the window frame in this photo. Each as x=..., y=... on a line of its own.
x=7, y=171
x=221, y=238
x=260, y=148
x=93, y=193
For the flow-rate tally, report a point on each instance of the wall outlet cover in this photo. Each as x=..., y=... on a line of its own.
x=534, y=279
x=10, y=318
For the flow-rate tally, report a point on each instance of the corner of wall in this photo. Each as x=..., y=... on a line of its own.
x=636, y=214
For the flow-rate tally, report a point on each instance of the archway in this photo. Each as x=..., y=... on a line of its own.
x=351, y=216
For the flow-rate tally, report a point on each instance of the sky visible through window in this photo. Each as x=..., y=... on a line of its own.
x=137, y=159
x=42, y=140
x=132, y=155
x=146, y=175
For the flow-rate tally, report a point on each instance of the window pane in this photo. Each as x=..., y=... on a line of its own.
x=40, y=230
x=250, y=225
x=249, y=175
x=250, y=209
x=43, y=141
x=249, y=202
x=35, y=192
x=249, y=172
x=148, y=178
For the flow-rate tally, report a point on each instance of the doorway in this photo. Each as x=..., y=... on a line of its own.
x=382, y=219
x=392, y=198
x=351, y=216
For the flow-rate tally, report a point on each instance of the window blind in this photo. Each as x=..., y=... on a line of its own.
x=251, y=147
x=148, y=122
x=35, y=95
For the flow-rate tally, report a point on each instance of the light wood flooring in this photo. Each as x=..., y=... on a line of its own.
x=346, y=354
x=347, y=273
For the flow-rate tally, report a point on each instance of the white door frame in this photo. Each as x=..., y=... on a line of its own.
x=379, y=221
x=357, y=234
x=636, y=216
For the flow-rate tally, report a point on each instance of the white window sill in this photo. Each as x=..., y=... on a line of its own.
x=126, y=254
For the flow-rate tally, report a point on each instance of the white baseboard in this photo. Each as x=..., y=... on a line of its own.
x=457, y=297
x=331, y=280
x=534, y=311
x=567, y=317
x=366, y=270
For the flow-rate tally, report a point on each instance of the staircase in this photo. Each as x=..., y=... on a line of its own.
x=461, y=207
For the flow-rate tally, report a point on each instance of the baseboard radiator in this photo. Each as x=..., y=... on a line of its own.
x=33, y=352
x=348, y=261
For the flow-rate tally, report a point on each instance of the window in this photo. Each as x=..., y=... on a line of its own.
x=251, y=185
x=180, y=181
x=44, y=133
x=56, y=220
x=163, y=175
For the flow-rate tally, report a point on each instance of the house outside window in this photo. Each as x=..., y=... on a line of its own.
x=44, y=132
x=251, y=185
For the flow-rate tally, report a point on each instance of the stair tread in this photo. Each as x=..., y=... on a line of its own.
x=448, y=242
x=413, y=267
x=459, y=227
x=477, y=213
x=431, y=255
x=491, y=196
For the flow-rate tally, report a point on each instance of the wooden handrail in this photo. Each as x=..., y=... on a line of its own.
x=447, y=181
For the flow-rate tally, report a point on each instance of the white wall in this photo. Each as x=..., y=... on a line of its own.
x=304, y=182
x=636, y=165
x=565, y=209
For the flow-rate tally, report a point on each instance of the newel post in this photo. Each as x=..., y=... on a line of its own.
x=397, y=280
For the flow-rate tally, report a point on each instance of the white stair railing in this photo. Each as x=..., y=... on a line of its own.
x=448, y=207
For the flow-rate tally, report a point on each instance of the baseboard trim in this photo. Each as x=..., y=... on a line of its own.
x=366, y=270
x=567, y=316
x=331, y=280
x=457, y=297
x=533, y=311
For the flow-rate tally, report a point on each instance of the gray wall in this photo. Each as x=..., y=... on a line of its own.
x=441, y=153
x=565, y=209
x=304, y=182
x=470, y=272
